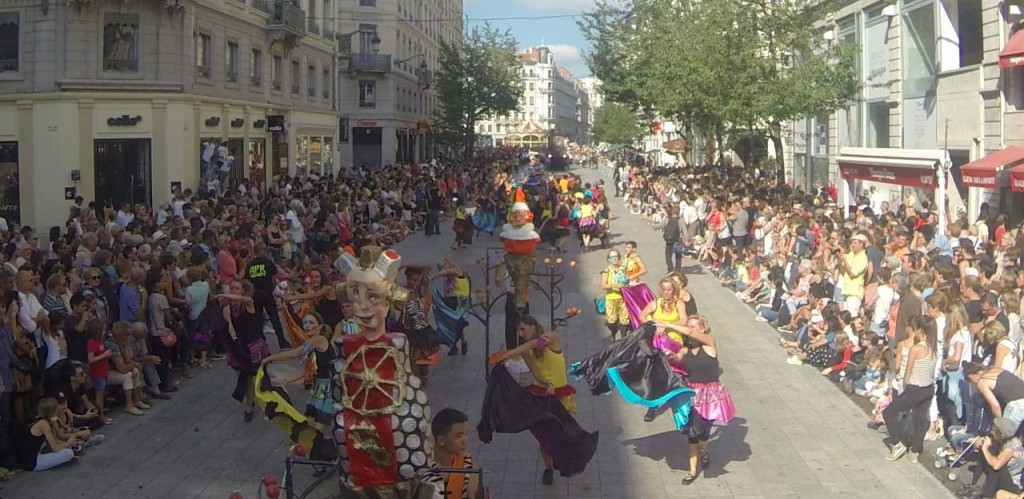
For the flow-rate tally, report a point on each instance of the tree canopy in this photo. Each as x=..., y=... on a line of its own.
x=478, y=76
x=716, y=65
x=616, y=123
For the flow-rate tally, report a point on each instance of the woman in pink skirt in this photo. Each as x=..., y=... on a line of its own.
x=711, y=401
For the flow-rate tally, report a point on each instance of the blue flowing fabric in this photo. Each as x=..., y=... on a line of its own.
x=446, y=317
x=485, y=220
x=678, y=399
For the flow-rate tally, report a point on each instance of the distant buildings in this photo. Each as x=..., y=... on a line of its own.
x=553, y=102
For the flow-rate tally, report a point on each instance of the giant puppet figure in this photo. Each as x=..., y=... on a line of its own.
x=520, y=241
x=382, y=419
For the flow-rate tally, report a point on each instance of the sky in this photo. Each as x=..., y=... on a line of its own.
x=561, y=35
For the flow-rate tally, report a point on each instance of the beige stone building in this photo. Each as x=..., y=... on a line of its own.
x=126, y=100
x=387, y=65
x=943, y=89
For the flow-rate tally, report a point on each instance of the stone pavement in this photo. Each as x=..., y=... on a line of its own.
x=795, y=435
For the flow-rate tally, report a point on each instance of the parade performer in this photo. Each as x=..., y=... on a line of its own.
x=318, y=349
x=412, y=319
x=382, y=423
x=520, y=241
x=641, y=373
x=613, y=278
x=711, y=401
x=450, y=428
x=637, y=295
x=545, y=407
x=245, y=343
x=485, y=218
x=450, y=290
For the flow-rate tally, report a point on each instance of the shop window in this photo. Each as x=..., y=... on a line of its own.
x=10, y=187
x=232, y=62
x=204, y=48
x=878, y=124
x=277, y=73
x=121, y=42
x=256, y=68
x=367, y=3
x=367, y=93
x=919, y=52
x=10, y=32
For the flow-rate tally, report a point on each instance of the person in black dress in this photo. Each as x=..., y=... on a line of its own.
x=245, y=343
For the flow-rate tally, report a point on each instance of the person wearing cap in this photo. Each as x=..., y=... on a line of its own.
x=855, y=273
x=1002, y=459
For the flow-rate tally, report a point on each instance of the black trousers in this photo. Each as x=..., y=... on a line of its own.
x=264, y=302
x=673, y=261
x=156, y=347
x=915, y=400
x=6, y=433
x=433, y=223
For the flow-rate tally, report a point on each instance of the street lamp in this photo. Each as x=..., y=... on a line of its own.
x=424, y=76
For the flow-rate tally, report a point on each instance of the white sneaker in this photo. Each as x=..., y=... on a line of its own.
x=898, y=451
x=760, y=318
x=794, y=361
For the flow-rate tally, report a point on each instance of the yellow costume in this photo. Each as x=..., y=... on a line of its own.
x=552, y=367
x=615, y=312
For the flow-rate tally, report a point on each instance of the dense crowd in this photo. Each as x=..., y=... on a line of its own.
x=925, y=321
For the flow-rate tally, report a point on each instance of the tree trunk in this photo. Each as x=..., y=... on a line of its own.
x=775, y=133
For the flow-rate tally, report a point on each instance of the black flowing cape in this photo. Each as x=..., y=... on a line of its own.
x=509, y=408
x=640, y=367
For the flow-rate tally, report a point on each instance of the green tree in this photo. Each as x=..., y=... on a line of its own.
x=478, y=77
x=715, y=66
x=616, y=123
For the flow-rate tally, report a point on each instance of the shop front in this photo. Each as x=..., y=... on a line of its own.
x=991, y=180
x=904, y=175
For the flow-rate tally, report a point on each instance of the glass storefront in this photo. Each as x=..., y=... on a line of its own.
x=919, y=61
x=10, y=187
x=878, y=125
x=314, y=154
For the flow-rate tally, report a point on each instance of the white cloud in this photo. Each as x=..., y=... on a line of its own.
x=559, y=7
x=568, y=56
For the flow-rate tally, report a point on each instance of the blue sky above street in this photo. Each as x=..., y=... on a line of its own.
x=561, y=35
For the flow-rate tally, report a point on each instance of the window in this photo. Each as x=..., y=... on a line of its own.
x=277, y=73
x=367, y=93
x=256, y=68
x=203, y=47
x=121, y=42
x=367, y=3
x=296, y=76
x=10, y=32
x=531, y=86
x=919, y=52
x=232, y=62
x=531, y=100
x=311, y=80
x=878, y=125
x=326, y=84
x=367, y=32
x=961, y=43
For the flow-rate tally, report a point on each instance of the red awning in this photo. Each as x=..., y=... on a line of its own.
x=1017, y=178
x=907, y=167
x=910, y=177
x=982, y=172
x=1013, y=53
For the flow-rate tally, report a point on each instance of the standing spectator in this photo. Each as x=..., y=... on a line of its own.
x=671, y=234
x=918, y=392
x=159, y=314
x=99, y=366
x=53, y=300
x=855, y=273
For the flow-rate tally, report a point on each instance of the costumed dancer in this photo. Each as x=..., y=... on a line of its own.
x=711, y=401
x=564, y=446
x=382, y=418
x=689, y=302
x=587, y=223
x=450, y=428
x=520, y=241
x=637, y=295
x=412, y=319
x=319, y=390
x=462, y=225
x=667, y=309
x=245, y=344
x=485, y=218
x=450, y=290
x=613, y=278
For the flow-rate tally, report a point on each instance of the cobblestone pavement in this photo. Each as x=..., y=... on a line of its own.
x=795, y=434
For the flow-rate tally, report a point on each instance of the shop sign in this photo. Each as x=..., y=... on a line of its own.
x=343, y=130
x=124, y=120
x=909, y=177
x=275, y=123
x=366, y=124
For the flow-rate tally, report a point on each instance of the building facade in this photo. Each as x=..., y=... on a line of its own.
x=126, y=101
x=549, y=109
x=943, y=88
x=389, y=50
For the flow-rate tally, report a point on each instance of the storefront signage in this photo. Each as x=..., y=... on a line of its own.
x=1017, y=179
x=979, y=180
x=124, y=120
x=909, y=177
x=343, y=130
x=213, y=121
x=275, y=123
x=237, y=123
x=366, y=124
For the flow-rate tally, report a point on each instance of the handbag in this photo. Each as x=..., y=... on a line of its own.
x=600, y=305
x=677, y=247
x=23, y=364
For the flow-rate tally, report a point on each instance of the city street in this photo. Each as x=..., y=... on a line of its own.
x=795, y=434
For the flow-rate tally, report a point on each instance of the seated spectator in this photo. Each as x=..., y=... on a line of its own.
x=125, y=372
x=41, y=448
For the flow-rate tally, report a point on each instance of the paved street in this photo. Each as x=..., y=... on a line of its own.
x=795, y=434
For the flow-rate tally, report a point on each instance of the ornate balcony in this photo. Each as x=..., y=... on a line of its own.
x=287, y=22
x=369, y=63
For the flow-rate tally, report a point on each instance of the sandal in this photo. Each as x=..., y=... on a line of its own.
x=690, y=478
